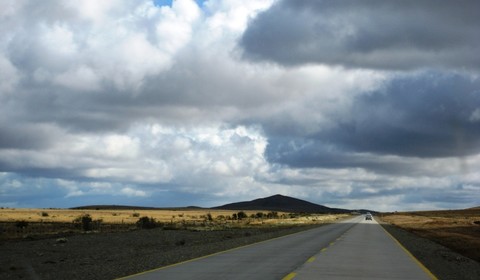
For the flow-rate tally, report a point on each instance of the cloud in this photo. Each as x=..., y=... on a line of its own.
x=136, y=103
x=118, y=45
x=425, y=115
x=151, y=154
x=367, y=34
x=102, y=67
x=132, y=192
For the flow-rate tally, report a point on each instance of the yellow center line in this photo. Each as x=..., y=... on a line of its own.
x=310, y=259
x=290, y=276
x=323, y=250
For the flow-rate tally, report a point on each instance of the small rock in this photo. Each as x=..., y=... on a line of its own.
x=61, y=240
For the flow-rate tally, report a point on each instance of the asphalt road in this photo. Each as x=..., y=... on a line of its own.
x=350, y=249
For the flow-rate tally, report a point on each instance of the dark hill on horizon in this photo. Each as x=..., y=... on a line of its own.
x=281, y=203
x=126, y=207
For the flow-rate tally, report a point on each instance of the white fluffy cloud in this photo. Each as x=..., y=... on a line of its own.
x=112, y=42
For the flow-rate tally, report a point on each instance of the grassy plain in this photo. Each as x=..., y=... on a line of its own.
x=41, y=222
x=455, y=229
x=110, y=216
x=131, y=216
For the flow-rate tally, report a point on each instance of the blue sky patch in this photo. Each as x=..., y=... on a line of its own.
x=169, y=2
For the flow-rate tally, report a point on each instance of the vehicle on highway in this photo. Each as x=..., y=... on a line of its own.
x=368, y=217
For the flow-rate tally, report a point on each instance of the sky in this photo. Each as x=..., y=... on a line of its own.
x=352, y=104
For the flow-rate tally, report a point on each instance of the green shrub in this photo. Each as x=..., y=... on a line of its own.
x=259, y=215
x=209, y=217
x=85, y=222
x=272, y=215
x=147, y=223
x=241, y=215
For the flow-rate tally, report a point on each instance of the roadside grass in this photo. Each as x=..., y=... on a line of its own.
x=458, y=230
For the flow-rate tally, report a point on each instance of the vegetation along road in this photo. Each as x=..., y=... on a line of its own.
x=349, y=249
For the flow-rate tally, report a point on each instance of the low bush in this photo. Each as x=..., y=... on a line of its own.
x=209, y=217
x=241, y=215
x=147, y=223
x=272, y=215
x=86, y=223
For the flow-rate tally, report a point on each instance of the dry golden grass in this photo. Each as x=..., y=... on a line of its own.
x=110, y=216
x=456, y=229
x=47, y=222
x=132, y=216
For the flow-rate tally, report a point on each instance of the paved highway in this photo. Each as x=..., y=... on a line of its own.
x=350, y=249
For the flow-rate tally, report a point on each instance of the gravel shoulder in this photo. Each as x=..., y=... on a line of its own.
x=113, y=255
x=441, y=261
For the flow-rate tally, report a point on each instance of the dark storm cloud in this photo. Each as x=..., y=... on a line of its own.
x=367, y=34
x=69, y=109
x=24, y=136
x=429, y=115
x=315, y=153
x=446, y=197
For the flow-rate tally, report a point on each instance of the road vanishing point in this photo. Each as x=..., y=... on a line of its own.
x=350, y=249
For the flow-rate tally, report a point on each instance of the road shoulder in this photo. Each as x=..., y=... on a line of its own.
x=441, y=261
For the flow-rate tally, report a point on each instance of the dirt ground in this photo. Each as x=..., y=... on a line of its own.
x=458, y=230
x=112, y=255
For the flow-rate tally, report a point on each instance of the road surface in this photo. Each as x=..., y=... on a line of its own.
x=350, y=249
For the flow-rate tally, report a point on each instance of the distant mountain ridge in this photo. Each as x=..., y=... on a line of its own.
x=127, y=207
x=281, y=203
